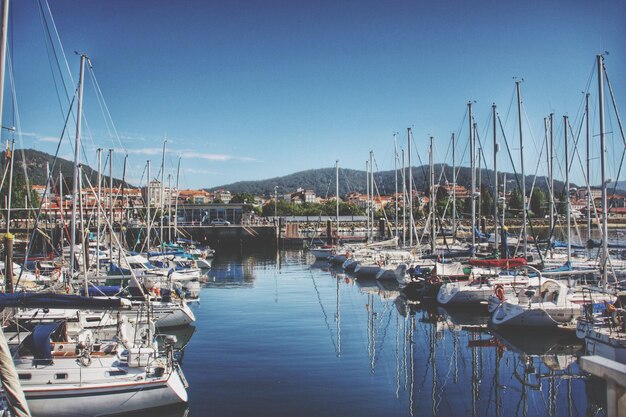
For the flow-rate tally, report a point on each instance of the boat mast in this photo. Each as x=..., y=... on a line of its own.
x=5, y=25
x=453, y=185
x=495, y=180
x=432, y=197
x=124, y=204
x=479, y=182
x=410, y=188
x=567, y=201
x=473, y=174
x=372, y=190
x=551, y=172
x=395, y=170
x=9, y=194
x=162, y=195
x=605, y=234
x=98, y=205
x=176, y=203
x=111, y=215
x=521, y=152
x=367, y=206
x=84, y=233
x=403, y=201
x=504, y=204
x=337, y=195
x=8, y=375
x=148, y=214
x=75, y=195
x=169, y=209
x=587, y=126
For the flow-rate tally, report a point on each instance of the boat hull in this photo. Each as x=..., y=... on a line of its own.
x=96, y=400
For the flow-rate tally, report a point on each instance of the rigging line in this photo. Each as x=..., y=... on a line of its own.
x=530, y=129
x=508, y=111
x=106, y=107
x=437, y=217
x=619, y=120
x=50, y=47
x=319, y=300
x=99, y=99
x=519, y=186
x=18, y=123
x=58, y=38
x=40, y=209
x=67, y=67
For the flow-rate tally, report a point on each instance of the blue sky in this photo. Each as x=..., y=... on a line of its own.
x=246, y=90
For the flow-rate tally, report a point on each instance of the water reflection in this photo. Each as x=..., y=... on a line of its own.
x=451, y=360
x=181, y=410
x=302, y=338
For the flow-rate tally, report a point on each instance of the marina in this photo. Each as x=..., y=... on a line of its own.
x=174, y=241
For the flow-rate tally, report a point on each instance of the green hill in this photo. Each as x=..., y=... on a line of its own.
x=35, y=163
x=322, y=181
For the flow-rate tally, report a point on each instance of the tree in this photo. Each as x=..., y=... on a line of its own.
x=19, y=192
x=538, y=203
x=243, y=198
x=515, y=201
x=486, y=201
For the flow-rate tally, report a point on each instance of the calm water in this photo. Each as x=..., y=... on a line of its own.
x=280, y=335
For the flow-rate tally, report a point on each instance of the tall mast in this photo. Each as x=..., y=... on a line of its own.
x=84, y=233
x=409, y=133
x=98, y=205
x=111, y=209
x=148, y=214
x=453, y=185
x=61, y=210
x=605, y=231
x=337, y=195
x=495, y=180
x=588, y=173
x=169, y=208
x=479, y=181
x=75, y=195
x=432, y=198
x=162, y=195
x=567, y=202
x=122, y=210
x=372, y=190
x=403, y=201
x=521, y=152
x=9, y=194
x=5, y=25
x=8, y=375
x=367, y=186
x=176, y=203
x=551, y=172
x=473, y=173
x=395, y=170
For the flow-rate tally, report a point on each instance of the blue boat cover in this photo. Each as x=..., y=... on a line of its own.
x=42, y=349
x=47, y=300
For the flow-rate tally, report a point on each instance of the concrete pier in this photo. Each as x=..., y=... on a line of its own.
x=615, y=375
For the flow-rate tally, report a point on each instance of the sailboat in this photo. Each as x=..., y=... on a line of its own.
x=79, y=372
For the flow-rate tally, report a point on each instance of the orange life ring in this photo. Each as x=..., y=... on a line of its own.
x=499, y=290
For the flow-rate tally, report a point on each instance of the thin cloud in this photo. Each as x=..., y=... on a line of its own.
x=214, y=156
x=48, y=139
x=39, y=137
x=143, y=151
x=201, y=171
